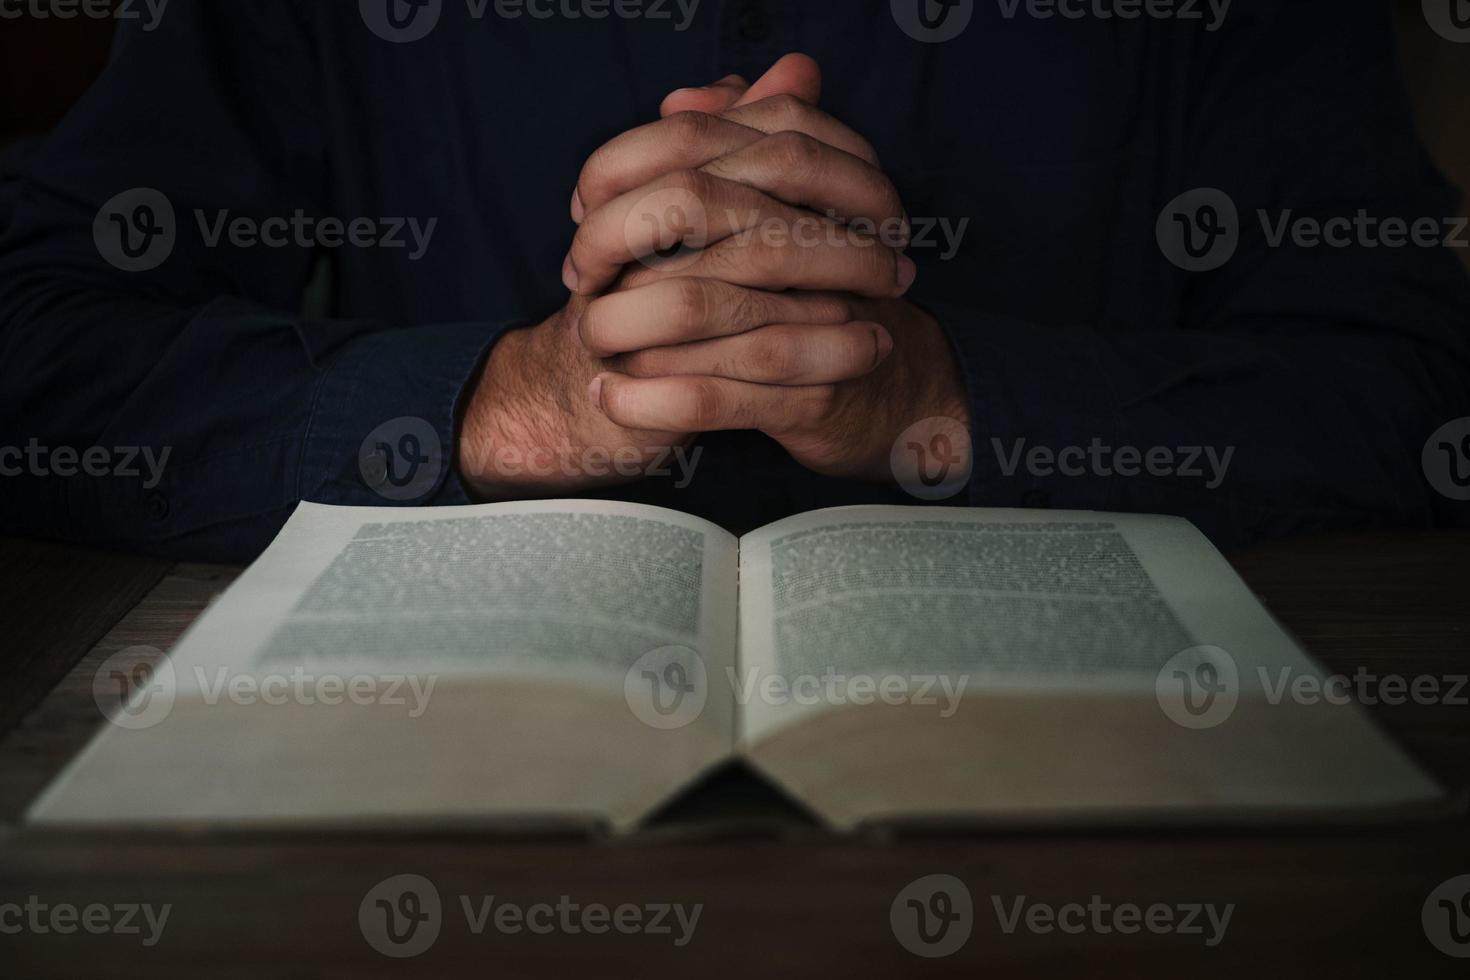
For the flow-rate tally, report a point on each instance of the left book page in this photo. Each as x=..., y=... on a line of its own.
x=523, y=664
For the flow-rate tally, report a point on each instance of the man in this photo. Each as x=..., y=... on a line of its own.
x=975, y=255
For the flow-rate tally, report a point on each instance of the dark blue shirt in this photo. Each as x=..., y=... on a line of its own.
x=1060, y=142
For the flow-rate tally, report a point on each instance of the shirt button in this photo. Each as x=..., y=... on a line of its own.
x=1036, y=500
x=754, y=23
x=155, y=505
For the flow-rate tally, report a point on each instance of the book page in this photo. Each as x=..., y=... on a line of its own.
x=1004, y=598
x=546, y=631
x=1030, y=660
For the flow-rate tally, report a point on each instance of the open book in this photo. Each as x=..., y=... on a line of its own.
x=586, y=661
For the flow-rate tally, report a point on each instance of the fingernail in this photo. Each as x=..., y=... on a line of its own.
x=594, y=391
x=907, y=273
x=569, y=276
x=578, y=211
x=884, y=341
x=905, y=231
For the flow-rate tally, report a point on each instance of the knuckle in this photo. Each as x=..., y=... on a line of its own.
x=727, y=260
x=691, y=302
x=787, y=108
x=705, y=403
x=775, y=356
x=690, y=130
x=746, y=308
x=794, y=155
x=691, y=181
x=771, y=262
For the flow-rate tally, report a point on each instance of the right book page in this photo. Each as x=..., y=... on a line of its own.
x=957, y=665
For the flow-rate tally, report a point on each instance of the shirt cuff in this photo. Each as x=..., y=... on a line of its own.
x=383, y=425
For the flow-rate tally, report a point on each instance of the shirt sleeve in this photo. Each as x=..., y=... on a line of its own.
x=164, y=396
x=1290, y=388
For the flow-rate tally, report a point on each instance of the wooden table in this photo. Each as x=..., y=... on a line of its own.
x=778, y=894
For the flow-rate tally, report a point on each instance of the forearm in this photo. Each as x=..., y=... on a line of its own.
x=230, y=415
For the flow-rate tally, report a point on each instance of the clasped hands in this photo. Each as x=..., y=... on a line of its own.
x=738, y=264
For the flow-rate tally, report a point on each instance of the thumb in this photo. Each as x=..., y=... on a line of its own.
x=713, y=99
x=795, y=74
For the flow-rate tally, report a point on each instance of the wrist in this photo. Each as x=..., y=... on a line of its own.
x=503, y=422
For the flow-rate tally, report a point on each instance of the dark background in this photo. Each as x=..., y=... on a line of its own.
x=45, y=65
